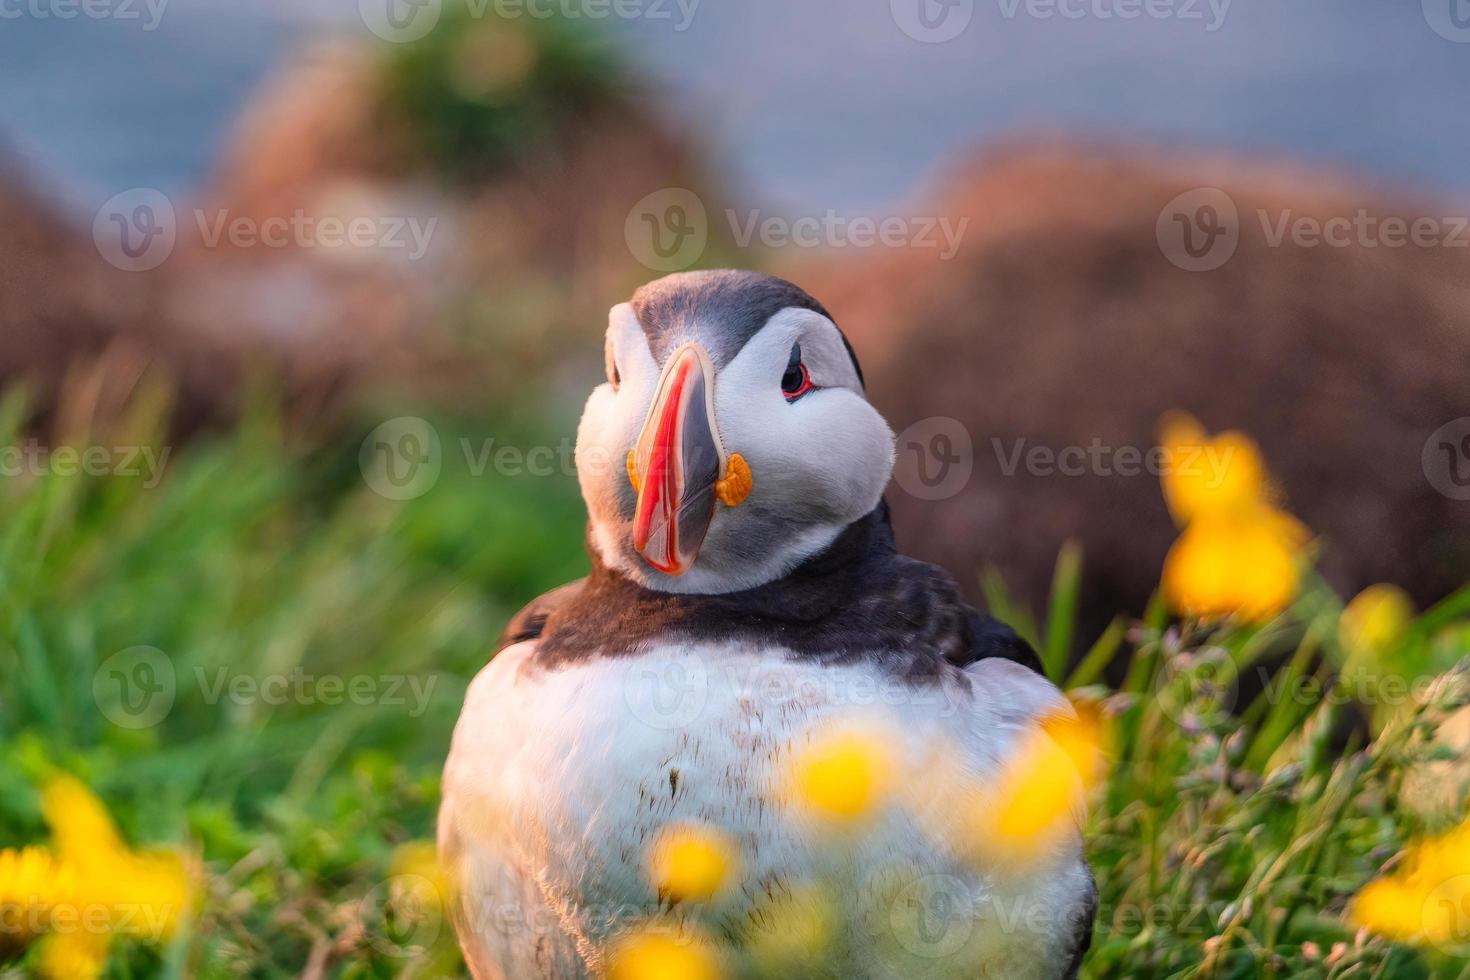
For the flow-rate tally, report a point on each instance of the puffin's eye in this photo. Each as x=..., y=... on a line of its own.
x=796, y=381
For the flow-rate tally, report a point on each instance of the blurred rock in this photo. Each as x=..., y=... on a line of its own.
x=471, y=275
x=1062, y=323
x=79, y=333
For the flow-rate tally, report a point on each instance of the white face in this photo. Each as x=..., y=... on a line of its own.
x=817, y=461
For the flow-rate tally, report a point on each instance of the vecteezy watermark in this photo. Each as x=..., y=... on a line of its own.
x=934, y=458
x=33, y=459
x=138, y=687
x=405, y=21
x=668, y=230
x=135, y=688
x=932, y=21
x=408, y=234
x=1199, y=230
x=136, y=230
x=402, y=458
x=403, y=915
x=833, y=230
x=1097, y=458
x=933, y=916
x=23, y=916
x=1446, y=459
x=1450, y=19
x=139, y=229
x=149, y=13
x=1364, y=229
x=1210, y=13
x=299, y=686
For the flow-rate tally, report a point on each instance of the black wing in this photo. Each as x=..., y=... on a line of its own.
x=989, y=637
x=1082, y=928
x=530, y=622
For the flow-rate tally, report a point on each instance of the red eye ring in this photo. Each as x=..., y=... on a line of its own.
x=794, y=385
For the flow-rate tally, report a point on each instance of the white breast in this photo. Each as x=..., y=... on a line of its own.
x=558, y=781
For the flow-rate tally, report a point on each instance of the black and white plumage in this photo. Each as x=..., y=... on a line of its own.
x=673, y=684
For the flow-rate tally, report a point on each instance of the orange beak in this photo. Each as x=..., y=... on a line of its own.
x=677, y=464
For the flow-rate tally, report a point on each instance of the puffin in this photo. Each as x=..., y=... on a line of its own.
x=745, y=596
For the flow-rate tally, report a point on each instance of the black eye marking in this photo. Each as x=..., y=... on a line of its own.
x=797, y=381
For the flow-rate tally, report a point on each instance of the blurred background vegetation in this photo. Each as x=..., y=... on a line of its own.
x=1236, y=832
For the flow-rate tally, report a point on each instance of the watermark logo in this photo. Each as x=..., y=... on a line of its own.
x=410, y=691
x=1446, y=916
x=1211, y=13
x=402, y=458
x=1199, y=230
x=1446, y=459
x=932, y=21
x=833, y=230
x=403, y=915
x=406, y=234
x=666, y=692
x=148, y=12
x=934, y=458
x=136, y=230
x=400, y=21
x=135, y=688
x=1450, y=19
x=667, y=231
x=1198, y=690
x=932, y=917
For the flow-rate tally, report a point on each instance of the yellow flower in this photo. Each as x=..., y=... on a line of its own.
x=1246, y=563
x=1428, y=899
x=32, y=883
x=1040, y=792
x=1376, y=620
x=650, y=954
x=843, y=775
x=80, y=826
x=73, y=955
x=690, y=863
x=1238, y=554
x=90, y=888
x=1203, y=475
x=142, y=894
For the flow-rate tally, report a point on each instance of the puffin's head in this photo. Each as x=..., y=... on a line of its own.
x=731, y=439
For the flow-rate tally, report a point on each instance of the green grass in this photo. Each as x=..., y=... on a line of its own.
x=1228, y=843
x=253, y=559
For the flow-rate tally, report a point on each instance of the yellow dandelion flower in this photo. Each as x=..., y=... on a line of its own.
x=1204, y=475
x=30, y=876
x=1427, y=898
x=419, y=861
x=650, y=954
x=690, y=863
x=73, y=955
x=1391, y=908
x=142, y=894
x=1376, y=620
x=80, y=825
x=1247, y=563
x=1238, y=554
x=843, y=775
x=1041, y=790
